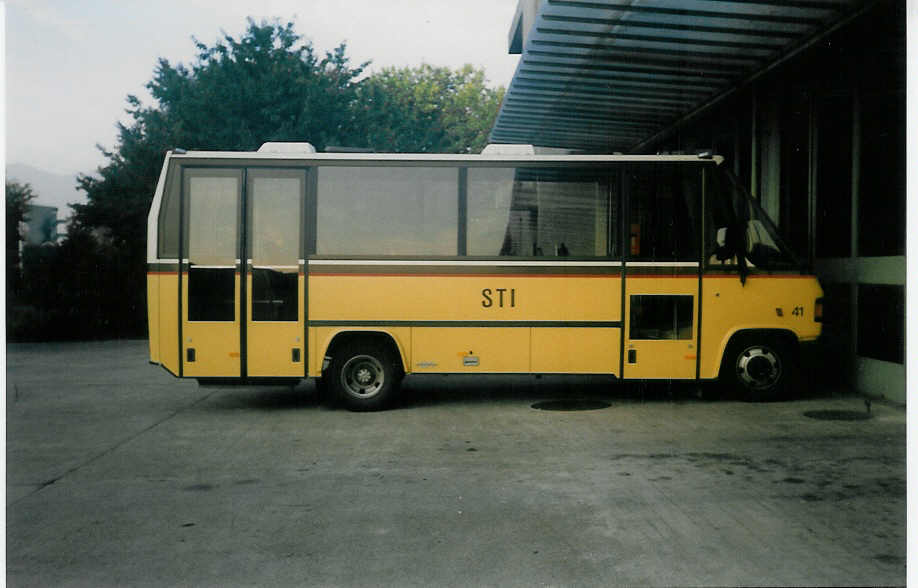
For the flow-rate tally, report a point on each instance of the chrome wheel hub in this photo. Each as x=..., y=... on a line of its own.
x=362, y=376
x=758, y=367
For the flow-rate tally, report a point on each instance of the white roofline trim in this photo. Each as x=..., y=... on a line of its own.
x=153, y=217
x=441, y=157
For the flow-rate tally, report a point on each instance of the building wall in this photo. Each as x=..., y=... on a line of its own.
x=821, y=142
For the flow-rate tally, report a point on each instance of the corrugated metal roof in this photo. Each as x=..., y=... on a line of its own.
x=608, y=75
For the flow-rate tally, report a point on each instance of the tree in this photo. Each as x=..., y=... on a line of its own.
x=266, y=86
x=427, y=109
x=18, y=197
x=269, y=85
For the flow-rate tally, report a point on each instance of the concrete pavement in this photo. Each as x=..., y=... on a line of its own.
x=119, y=474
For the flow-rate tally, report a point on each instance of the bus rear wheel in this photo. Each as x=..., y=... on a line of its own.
x=759, y=367
x=364, y=376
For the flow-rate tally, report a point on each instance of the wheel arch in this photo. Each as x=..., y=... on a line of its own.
x=342, y=337
x=787, y=336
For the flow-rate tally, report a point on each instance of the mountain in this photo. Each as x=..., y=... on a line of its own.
x=52, y=189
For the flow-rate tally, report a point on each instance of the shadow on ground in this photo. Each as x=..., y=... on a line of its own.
x=432, y=390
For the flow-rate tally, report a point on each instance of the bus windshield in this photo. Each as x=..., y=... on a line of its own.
x=762, y=244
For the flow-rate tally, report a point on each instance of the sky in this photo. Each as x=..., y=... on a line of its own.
x=70, y=65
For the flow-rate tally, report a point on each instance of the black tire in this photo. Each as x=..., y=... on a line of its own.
x=364, y=375
x=759, y=368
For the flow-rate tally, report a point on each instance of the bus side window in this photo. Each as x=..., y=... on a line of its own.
x=542, y=212
x=718, y=217
x=387, y=210
x=665, y=205
x=660, y=317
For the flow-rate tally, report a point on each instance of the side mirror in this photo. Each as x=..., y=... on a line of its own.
x=721, y=236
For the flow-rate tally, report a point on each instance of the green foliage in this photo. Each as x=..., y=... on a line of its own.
x=266, y=86
x=18, y=197
x=77, y=290
x=427, y=109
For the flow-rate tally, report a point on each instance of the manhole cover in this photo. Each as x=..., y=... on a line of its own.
x=838, y=415
x=571, y=404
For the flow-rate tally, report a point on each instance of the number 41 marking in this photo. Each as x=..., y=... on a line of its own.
x=798, y=311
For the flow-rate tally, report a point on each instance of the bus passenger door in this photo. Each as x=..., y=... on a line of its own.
x=661, y=335
x=275, y=326
x=661, y=314
x=209, y=273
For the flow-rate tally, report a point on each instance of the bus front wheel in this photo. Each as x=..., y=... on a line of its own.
x=759, y=367
x=364, y=376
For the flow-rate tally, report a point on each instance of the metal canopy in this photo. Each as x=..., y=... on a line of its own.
x=610, y=75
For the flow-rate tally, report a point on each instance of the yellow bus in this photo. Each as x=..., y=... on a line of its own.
x=358, y=269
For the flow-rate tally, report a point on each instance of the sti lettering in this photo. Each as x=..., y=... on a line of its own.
x=499, y=297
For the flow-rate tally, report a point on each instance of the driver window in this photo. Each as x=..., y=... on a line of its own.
x=664, y=221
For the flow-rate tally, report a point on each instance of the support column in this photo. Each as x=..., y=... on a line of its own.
x=812, y=187
x=855, y=199
x=754, y=150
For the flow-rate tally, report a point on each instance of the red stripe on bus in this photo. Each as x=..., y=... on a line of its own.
x=662, y=276
x=387, y=275
x=760, y=276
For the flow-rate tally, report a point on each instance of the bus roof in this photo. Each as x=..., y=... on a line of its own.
x=433, y=158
